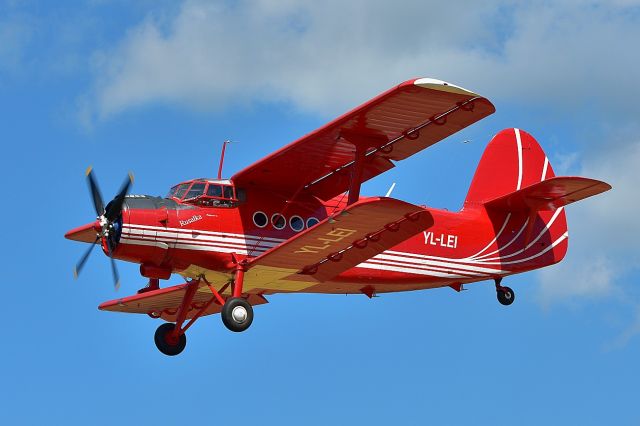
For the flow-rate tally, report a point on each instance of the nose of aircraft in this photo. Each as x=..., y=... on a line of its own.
x=107, y=227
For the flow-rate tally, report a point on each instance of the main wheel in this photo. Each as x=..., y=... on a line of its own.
x=165, y=343
x=237, y=314
x=506, y=296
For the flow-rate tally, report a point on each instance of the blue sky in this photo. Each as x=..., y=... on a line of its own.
x=155, y=87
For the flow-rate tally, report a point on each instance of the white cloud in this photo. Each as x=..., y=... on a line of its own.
x=603, y=231
x=15, y=33
x=327, y=56
x=577, y=57
x=631, y=330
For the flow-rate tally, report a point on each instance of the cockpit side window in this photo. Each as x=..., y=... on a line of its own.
x=214, y=190
x=181, y=190
x=196, y=190
x=228, y=192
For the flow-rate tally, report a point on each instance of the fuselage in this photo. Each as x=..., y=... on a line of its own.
x=167, y=236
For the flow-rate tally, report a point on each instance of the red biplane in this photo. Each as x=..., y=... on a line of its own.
x=295, y=222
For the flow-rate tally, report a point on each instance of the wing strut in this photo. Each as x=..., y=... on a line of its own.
x=356, y=177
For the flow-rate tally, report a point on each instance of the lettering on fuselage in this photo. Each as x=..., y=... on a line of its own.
x=442, y=240
x=194, y=218
x=327, y=240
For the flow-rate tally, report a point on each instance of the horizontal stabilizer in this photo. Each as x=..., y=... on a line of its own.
x=549, y=194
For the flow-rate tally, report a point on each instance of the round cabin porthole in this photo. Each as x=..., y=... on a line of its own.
x=296, y=223
x=260, y=219
x=278, y=221
x=311, y=221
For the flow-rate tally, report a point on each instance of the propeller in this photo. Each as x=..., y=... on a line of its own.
x=106, y=221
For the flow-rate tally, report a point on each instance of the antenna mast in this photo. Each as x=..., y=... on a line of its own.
x=224, y=147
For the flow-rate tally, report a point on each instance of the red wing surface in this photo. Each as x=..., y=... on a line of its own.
x=391, y=127
x=337, y=244
x=165, y=302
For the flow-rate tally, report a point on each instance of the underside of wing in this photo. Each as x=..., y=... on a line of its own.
x=165, y=302
x=337, y=244
x=391, y=127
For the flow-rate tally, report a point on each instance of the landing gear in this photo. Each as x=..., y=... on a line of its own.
x=237, y=314
x=505, y=295
x=167, y=342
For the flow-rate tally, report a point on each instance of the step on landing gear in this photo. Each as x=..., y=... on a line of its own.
x=505, y=295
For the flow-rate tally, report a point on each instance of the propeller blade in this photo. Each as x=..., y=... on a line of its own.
x=95, y=192
x=83, y=259
x=114, y=270
x=115, y=207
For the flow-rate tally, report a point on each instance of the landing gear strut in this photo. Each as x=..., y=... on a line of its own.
x=505, y=295
x=237, y=313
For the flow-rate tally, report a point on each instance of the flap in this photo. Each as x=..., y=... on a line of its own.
x=339, y=243
x=550, y=194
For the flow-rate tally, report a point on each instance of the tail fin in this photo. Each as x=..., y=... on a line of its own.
x=524, y=200
x=514, y=174
x=512, y=160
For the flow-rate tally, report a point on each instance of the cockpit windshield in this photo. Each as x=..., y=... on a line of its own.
x=205, y=192
x=180, y=190
x=196, y=190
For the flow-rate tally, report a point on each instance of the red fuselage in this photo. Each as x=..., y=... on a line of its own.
x=167, y=236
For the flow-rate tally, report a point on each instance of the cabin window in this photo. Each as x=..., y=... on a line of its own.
x=278, y=221
x=311, y=221
x=260, y=219
x=296, y=223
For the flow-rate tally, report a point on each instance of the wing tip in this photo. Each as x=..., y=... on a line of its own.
x=443, y=86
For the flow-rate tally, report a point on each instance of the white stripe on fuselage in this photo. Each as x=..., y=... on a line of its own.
x=388, y=260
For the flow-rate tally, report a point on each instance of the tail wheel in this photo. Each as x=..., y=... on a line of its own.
x=167, y=343
x=506, y=296
x=237, y=314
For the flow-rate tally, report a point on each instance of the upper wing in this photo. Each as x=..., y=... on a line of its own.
x=392, y=126
x=338, y=243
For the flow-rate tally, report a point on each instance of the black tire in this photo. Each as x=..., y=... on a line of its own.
x=236, y=304
x=506, y=296
x=164, y=345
